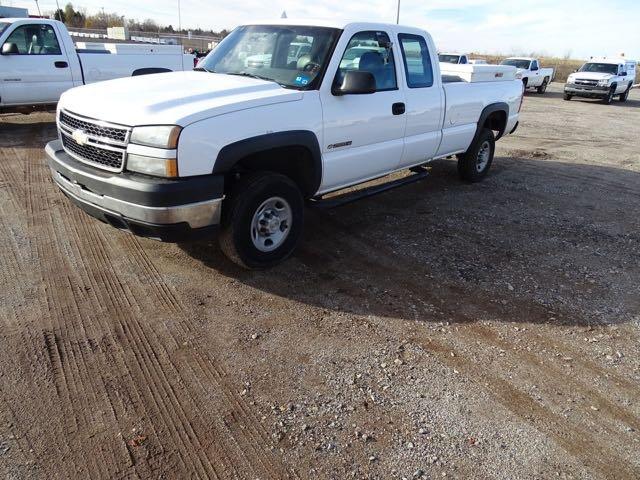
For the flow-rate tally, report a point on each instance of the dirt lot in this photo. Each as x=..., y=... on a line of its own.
x=439, y=330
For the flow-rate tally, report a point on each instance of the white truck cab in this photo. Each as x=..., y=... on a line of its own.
x=39, y=61
x=240, y=149
x=603, y=78
x=531, y=73
x=453, y=58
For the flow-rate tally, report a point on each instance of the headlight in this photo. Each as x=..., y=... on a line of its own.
x=518, y=76
x=571, y=80
x=604, y=83
x=159, y=167
x=159, y=136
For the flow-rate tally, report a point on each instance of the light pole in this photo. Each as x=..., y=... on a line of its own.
x=398, y=14
x=179, y=18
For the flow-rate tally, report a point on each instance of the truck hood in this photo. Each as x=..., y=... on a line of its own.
x=176, y=98
x=591, y=75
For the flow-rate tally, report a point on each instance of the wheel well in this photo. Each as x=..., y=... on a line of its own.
x=295, y=162
x=496, y=121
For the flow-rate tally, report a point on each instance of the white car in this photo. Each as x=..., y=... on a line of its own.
x=603, y=78
x=531, y=73
x=39, y=61
x=242, y=150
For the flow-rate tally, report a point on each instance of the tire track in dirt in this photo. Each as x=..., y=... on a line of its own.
x=103, y=263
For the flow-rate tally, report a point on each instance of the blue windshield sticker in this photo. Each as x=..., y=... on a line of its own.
x=301, y=80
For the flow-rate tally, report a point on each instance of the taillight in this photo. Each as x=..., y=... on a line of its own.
x=195, y=62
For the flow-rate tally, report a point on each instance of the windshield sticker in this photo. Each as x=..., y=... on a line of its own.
x=301, y=80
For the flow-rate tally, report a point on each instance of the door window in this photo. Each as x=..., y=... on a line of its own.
x=34, y=40
x=417, y=61
x=370, y=52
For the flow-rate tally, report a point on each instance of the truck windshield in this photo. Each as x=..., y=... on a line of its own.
x=514, y=62
x=448, y=58
x=600, y=68
x=3, y=27
x=292, y=56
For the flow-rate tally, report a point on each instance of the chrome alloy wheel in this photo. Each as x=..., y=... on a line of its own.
x=484, y=155
x=271, y=224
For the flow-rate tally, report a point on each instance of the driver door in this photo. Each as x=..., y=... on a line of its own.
x=34, y=67
x=363, y=133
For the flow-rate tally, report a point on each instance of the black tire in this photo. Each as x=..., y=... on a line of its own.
x=525, y=82
x=568, y=97
x=609, y=98
x=625, y=96
x=242, y=205
x=469, y=163
x=543, y=88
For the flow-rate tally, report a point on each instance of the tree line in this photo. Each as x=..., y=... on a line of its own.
x=102, y=20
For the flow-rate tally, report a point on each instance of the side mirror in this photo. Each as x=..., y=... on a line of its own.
x=534, y=69
x=10, y=49
x=623, y=74
x=356, y=82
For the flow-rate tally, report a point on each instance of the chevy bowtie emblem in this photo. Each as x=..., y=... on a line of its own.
x=80, y=137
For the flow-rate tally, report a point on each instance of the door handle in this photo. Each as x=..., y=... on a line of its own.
x=398, y=108
x=61, y=64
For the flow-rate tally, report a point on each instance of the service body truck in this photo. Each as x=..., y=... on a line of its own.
x=39, y=61
x=603, y=78
x=241, y=151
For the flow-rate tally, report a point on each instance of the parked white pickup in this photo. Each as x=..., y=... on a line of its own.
x=530, y=72
x=241, y=149
x=603, y=78
x=39, y=61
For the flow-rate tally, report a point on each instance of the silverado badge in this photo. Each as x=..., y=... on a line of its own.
x=80, y=137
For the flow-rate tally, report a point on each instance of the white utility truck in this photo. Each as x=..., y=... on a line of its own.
x=603, y=78
x=39, y=61
x=241, y=150
x=531, y=73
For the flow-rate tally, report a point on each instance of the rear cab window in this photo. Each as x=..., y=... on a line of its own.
x=417, y=60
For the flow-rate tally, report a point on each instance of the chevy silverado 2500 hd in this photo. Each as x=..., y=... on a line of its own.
x=241, y=149
x=39, y=61
x=531, y=73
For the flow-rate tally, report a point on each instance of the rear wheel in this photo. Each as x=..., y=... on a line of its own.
x=474, y=164
x=625, y=95
x=262, y=221
x=543, y=88
x=568, y=97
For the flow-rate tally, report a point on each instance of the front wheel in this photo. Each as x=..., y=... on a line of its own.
x=609, y=98
x=568, y=97
x=262, y=221
x=474, y=164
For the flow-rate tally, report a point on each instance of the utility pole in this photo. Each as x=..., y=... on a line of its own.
x=398, y=14
x=38, y=6
x=179, y=18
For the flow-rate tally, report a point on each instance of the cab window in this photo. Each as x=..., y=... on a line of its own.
x=370, y=52
x=34, y=40
x=417, y=61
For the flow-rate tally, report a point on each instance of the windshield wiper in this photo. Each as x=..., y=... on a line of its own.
x=253, y=75
x=202, y=69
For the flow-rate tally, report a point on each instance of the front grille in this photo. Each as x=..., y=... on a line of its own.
x=100, y=144
x=94, y=128
x=589, y=83
x=110, y=159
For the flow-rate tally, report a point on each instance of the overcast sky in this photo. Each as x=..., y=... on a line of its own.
x=582, y=28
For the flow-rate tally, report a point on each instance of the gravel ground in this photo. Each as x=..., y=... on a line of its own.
x=441, y=330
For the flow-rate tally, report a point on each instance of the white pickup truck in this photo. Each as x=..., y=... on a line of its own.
x=241, y=150
x=603, y=78
x=453, y=58
x=39, y=61
x=530, y=72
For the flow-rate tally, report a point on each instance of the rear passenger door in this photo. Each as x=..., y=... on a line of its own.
x=363, y=134
x=424, y=101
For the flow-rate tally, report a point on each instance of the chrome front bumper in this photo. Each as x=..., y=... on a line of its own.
x=157, y=208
